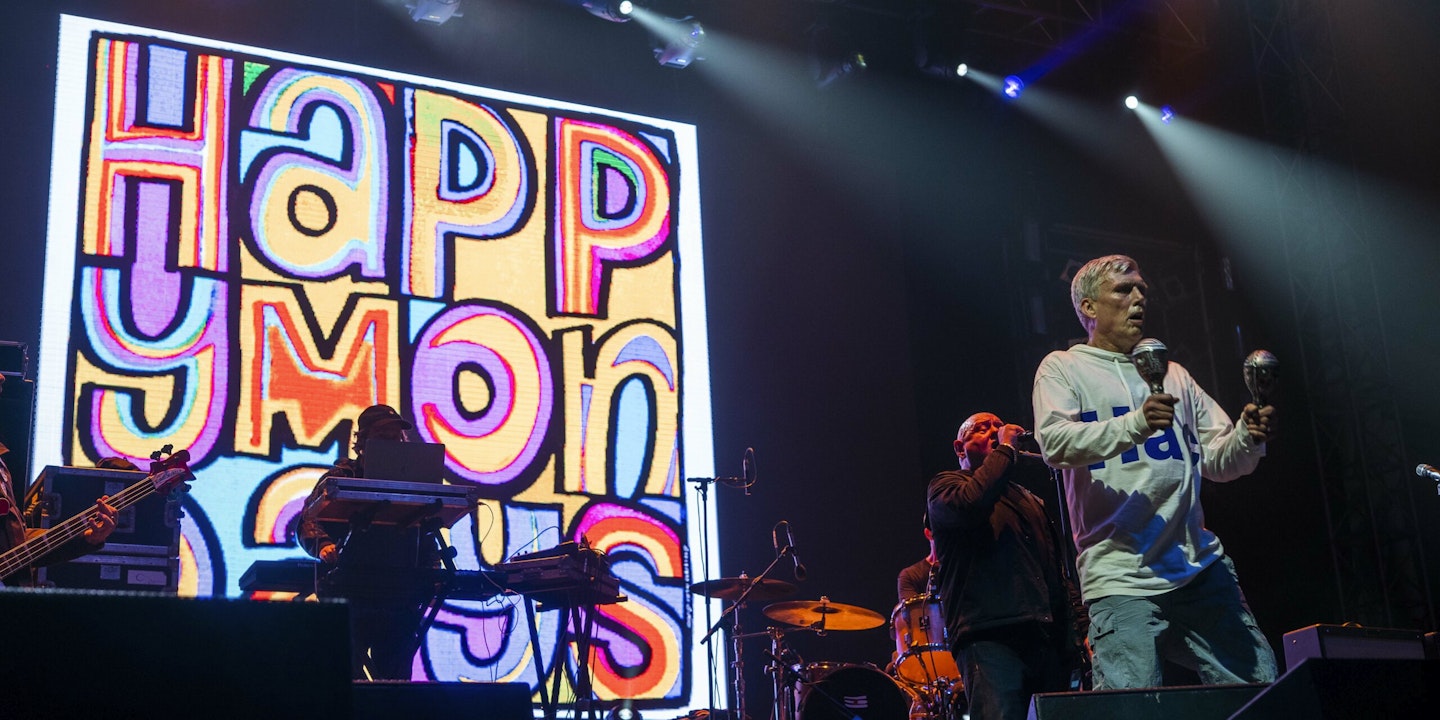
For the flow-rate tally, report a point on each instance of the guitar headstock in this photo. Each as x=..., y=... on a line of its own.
x=170, y=471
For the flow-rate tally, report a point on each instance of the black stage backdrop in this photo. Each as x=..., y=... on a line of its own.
x=886, y=257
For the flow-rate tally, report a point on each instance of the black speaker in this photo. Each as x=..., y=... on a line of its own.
x=1332, y=689
x=1352, y=642
x=1191, y=702
x=17, y=415
x=133, y=655
x=385, y=700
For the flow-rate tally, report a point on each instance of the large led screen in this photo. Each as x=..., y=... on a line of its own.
x=246, y=248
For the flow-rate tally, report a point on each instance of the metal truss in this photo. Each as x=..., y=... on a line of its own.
x=1053, y=23
x=1367, y=489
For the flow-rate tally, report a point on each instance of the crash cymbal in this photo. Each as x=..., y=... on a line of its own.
x=824, y=615
x=729, y=589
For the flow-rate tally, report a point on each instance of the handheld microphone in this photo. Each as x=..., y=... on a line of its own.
x=1428, y=472
x=1262, y=371
x=1149, y=356
x=1026, y=441
x=787, y=548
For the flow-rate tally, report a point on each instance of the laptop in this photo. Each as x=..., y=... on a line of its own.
x=404, y=461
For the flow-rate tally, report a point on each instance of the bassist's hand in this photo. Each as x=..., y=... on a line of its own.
x=102, y=524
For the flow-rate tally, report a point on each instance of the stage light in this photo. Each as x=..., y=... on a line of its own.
x=434, y=11
x=677, y=48
x=1166, y=114
x=1013, y=87
x=939, y=32
x=624, y=711
x=962, y=70
x=834, y=54
x=612, y=10
x=1132, y=102
x=851, y=64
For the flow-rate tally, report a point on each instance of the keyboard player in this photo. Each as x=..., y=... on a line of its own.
x=384, y=621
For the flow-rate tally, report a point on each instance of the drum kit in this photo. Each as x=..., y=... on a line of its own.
x=923, y=682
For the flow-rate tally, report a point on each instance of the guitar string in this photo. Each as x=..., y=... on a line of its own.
x=71, y=528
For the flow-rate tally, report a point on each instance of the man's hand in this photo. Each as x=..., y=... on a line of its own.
x=329, y=554
x=102, y=524
x=1009, y=434
x=1159, y=411
x=1260, y=422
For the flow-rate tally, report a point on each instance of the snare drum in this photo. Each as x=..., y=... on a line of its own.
x=841, y=691
x=922, y=652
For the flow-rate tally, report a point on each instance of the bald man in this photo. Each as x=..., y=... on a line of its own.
x=1010, y=612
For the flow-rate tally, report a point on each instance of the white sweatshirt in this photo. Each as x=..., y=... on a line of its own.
x=1134, y=495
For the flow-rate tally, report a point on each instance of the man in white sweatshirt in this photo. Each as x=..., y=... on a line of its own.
x=1157, y=582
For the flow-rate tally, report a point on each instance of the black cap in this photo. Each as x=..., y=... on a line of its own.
x=376, y=415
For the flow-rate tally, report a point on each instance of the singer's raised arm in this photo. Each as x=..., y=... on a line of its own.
x=1229, y=451
x=1067, y=440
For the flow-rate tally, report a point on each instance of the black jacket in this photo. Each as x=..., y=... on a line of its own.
x=1000, y=558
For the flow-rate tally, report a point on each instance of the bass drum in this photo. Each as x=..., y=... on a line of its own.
x=841, y=691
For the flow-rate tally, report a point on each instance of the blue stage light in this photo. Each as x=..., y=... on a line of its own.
x=1013, y=87
x=1166, y=114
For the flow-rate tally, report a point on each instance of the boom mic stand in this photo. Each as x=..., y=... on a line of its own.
x=737, y=636
x=702, y=486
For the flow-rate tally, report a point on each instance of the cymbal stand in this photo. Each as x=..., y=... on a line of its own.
x=739, y=663
x=783, y=707
x=784, y=702
x=702, y=486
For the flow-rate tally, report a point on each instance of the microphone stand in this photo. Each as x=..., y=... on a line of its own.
x=1067, y=555
x=702, y=486
x=738, y=636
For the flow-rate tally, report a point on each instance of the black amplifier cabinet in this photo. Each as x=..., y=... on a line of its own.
x=60, y=492
x=118, y=567
x=1352, y=642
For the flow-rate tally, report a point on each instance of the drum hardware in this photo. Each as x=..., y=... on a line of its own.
x=823, y=616
x=732, y=588
x=845, y=691
x=923, y=663
x=783, y=667
x=749, y=474
x=748, y=587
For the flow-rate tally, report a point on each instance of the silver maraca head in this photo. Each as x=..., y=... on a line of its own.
x=1261, y=359
x=1261, y=372
x=1150, y=358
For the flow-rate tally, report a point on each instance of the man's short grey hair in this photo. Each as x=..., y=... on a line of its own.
x=1086, y=283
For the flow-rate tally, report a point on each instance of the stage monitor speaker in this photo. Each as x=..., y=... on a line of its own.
x=1353, y=642
x=384, y=700
x=1321, y=689
x=133, y=655
x=1190, y=702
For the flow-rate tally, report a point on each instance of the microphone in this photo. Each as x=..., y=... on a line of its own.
x=1149, y=356
x=747, y=470
x=787, y=548
x=1262, y=372
x=1428, y=472
x=1027, y=441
